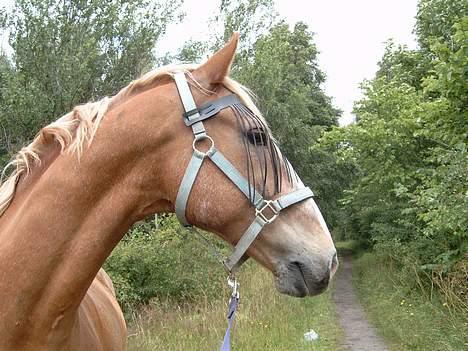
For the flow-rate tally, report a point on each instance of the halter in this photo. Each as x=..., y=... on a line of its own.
x=266, y=211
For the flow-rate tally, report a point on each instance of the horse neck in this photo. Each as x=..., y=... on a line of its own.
x=62, y=225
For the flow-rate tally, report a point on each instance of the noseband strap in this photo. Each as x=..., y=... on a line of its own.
x=266, y=211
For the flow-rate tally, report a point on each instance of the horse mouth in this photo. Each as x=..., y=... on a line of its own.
x=295, y=279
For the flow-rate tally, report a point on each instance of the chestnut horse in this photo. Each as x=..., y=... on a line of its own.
x=87, y=177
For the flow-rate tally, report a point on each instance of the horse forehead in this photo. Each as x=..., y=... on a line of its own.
x=168, y=96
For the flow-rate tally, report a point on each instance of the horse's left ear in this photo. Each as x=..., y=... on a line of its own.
x=218, y=66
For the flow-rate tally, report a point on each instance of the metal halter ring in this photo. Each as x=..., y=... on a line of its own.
x=267, y=204
x=200, y=138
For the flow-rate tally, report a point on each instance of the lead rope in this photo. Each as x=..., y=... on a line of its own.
x=233, y=303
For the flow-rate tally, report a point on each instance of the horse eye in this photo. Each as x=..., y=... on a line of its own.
x=256, y=137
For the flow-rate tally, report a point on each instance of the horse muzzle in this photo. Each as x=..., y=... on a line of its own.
x=304, y=277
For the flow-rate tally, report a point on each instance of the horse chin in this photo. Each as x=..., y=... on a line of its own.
x=295, y=290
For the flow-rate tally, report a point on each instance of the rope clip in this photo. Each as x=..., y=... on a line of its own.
x=234, y=285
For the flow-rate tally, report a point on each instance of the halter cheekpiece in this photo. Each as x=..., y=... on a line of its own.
x=266, y=211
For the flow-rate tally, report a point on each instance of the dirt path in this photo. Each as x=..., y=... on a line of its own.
x=359, y=334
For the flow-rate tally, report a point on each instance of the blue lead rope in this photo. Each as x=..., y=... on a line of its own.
x=226, y=346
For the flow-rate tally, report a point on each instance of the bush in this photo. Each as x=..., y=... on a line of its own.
x=162, y=260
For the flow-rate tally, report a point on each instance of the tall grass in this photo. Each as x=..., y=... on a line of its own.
x=408, y=314
x=265, y=320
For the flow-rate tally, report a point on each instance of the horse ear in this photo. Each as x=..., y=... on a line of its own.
x=218, y=66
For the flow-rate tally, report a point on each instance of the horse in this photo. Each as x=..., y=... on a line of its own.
x=74, y=192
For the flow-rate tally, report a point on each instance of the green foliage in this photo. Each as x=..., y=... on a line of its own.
x=5, y=73
x=435, y=20
x=251, y=18
x=349, y=248
x=403, y=65
x=383, y=147
x=192, y=51
x=70, y=52
x=409, y=148
x=169, y=262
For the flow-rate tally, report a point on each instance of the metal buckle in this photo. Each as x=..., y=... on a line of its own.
x=234, y=285
x=259, y=212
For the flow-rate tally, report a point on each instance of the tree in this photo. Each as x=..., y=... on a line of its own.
x=70, y=52
x=251, y=18
x=5, y=73
x=409, y=146
x=435, y=20
x=407, y=66
x=441, y=198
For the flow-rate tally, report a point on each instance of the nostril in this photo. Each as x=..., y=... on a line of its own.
x=334, y=263
x=297, y=265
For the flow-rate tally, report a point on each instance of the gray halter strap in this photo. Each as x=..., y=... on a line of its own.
x=266, y=211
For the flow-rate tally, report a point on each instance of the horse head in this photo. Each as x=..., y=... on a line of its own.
x=224, y=172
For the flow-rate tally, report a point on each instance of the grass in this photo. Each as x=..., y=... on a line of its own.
x=406, y=317
x=348, y=247
x=265, y=320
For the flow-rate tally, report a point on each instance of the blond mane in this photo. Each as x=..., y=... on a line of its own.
x=75, y=131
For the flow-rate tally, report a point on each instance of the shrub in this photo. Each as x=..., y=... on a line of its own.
x=162, y=260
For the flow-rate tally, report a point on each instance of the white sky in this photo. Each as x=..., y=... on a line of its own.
x=349, y=34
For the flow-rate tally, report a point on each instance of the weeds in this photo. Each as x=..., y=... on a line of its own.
x=408, y=318
x=265, y=320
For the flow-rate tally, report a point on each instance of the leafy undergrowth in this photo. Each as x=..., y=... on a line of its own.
x=163, y=260
x=407, y=317
x=265, y=320
x=348, y=247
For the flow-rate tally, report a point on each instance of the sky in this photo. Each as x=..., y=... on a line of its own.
x=350, y=36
